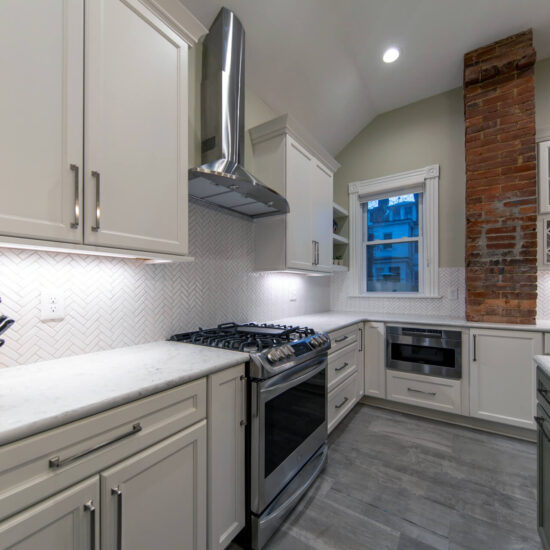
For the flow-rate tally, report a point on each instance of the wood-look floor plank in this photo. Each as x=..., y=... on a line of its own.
x=399, y=482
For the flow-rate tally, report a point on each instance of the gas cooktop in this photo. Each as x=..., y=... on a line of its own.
x=272, y=348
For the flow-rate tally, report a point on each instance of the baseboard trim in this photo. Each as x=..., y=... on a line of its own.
x=466, y=421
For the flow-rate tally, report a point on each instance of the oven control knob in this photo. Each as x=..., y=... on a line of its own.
x=314, y=342
x=324, y=337
x=273, y=355
x=290, y=350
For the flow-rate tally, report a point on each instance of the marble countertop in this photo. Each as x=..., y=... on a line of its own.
x=41, y=396
x=329, y=321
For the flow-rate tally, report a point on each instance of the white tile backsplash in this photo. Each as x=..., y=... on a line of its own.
x=113, y=302
x=450, y=278
x=543, y=295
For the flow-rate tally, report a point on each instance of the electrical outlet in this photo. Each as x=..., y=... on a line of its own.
x=52, y=305
x=452, y=293
x=292, y=293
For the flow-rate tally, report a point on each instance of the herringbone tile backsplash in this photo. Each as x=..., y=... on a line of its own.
x=113, y=302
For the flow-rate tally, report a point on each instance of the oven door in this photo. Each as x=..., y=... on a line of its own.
x=431, y=352
x=288, y=424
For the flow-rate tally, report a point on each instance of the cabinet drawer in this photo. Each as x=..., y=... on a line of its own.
x=343, y=337
x=340, y=364
x=28, y=471
x=341, y=400
x=425, y=391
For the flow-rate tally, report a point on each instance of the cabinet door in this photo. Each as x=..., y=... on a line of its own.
x=375, y=368
x=41, y=100
x=361, y=360
x=157, y=498
x=136, y=130
x=66, y=521
x=226, y=474
x=502, y=375
x=299, y=239
x=321, y=214
x=544, y=177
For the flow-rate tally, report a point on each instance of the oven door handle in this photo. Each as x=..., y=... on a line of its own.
x=275, y=390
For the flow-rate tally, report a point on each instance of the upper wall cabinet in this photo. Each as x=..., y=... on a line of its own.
x=544, y=177
x=132, y=195
x=292, y=163
x=41, y=112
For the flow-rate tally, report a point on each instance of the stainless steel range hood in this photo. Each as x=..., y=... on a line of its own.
x=222, y=179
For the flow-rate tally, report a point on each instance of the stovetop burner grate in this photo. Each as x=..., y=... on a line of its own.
x=248, y=337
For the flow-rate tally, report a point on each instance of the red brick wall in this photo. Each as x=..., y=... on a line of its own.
x=501, y=187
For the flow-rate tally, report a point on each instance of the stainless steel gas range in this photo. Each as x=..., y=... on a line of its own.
x=287, y=413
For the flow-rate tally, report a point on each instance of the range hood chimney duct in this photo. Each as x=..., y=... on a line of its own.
x=222, y=179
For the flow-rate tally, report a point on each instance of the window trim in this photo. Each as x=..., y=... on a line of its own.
x=428, y=179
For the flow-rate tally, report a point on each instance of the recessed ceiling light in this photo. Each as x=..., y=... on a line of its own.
x=390, y=55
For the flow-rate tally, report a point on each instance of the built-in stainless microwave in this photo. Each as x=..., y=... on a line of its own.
x=434, y=352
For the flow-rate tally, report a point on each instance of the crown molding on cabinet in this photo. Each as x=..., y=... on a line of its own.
x=178, y=18
x=285, y=124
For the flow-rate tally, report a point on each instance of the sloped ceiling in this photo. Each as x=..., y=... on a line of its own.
x=320, y=60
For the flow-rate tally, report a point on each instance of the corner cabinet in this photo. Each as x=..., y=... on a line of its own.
x=292, y=163
x=108, y=93
x=502, y=375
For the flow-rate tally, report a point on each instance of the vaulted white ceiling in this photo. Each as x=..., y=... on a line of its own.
x=320, y=60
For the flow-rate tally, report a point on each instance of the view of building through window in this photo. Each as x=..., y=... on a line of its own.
x=392, y=234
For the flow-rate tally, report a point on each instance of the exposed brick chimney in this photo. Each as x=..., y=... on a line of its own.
x=501, y=186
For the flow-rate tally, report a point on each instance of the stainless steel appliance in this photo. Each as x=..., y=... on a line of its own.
x=222, y=178
x=435, y=352
x=543, y=457
x=287, y=429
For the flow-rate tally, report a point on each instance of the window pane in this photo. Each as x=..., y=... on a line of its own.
x=392, y=267
x=393, y=217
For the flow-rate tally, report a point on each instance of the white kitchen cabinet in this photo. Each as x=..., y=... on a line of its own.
x=41, y=112
x=157, y=498
x=132, y=198
x=544, y=176
x=345, y=372
x=291, y=162
x=66, y=521
x=375, y=368
x=502, y=375
x=136, y=130
x=226, y=456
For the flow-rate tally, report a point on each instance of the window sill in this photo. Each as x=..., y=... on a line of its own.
x=396, y=295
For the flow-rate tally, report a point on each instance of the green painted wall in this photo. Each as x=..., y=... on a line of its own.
x=430, y=131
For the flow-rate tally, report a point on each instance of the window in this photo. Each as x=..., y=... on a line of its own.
x=392, y=256
x=394, y=234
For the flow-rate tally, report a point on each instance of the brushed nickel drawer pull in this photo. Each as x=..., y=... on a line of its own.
x=341, y=339
x=89, y=507
x=342, y=367
x=76, y=223
x=57, y=462
x=432, y=393
x=341, y=404
x=115, y=491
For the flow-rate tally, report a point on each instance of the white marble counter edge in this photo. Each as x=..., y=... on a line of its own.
x=17, y=433
x=542, y=326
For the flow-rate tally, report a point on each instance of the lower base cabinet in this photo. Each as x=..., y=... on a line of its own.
x=345, y=376
x=502, y=375
x=66, y=521
x=157, y=498
x=226, y=456
x=175, y=481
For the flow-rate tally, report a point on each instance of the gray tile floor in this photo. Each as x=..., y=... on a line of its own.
x=398, y=482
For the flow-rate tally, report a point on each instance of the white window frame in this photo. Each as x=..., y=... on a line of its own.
x=425, y=180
